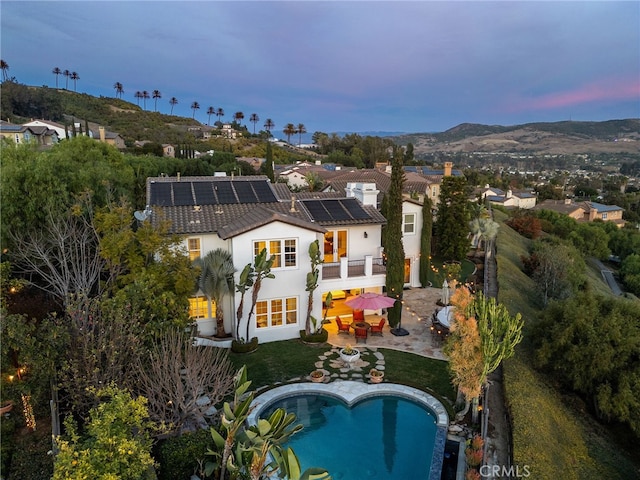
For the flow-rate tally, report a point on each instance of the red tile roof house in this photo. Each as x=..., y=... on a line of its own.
x=244, y=215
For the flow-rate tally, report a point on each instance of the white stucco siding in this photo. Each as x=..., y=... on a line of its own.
x=289, y=282
x=358, y=245
x=411, y=240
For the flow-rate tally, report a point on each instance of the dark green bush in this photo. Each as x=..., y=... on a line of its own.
x=178, y=456
x=30, y=459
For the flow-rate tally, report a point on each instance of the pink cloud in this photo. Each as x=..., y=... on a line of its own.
x=589, y=93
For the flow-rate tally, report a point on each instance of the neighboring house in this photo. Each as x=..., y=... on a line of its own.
x=168, y=150
x=584, y=211
x=57, y=127
x=41, y=135
x=244, y=215
x=564, y=207
x=606, y=213
x=109, y=138
x=508, y=199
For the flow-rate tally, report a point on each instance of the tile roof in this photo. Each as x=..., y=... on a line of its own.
x=234, y=217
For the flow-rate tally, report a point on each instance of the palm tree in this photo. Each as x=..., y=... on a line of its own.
x=145, y=95
x=301, y=129
x=156, y=95
x=195, y=106
x=56, y=71
x=254, y=118
x=5, y=68
x=216, y=281
x=67, y=74
x=289, y=130
x=219, y=113
x=75, y=77
x=119, y=89
x=173, y=102
x=138, y=96
x=238, y=117
x=210, y=111
x=269, y=125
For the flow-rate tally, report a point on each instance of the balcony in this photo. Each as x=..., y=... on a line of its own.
x=353, y=268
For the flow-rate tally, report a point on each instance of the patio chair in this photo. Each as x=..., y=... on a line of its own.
x=361, y=334
x=377, y=329
x=342, y=327
x=358, y=315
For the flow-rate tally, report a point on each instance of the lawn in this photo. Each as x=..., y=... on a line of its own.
x=292, y=360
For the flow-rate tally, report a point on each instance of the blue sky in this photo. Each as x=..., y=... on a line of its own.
x=334, y=66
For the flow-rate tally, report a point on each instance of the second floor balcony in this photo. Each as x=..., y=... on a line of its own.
x=345, y=268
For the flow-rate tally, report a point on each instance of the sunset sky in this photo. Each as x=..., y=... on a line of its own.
x=341, y=66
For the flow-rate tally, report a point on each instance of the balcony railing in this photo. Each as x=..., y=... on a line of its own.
x=353, y=268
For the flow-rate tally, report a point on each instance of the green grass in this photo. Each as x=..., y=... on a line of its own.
x=289, y=360
x=553, y=434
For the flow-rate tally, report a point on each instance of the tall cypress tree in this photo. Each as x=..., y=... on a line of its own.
x=452, y=224
x=394, y=249
x=268, y=163
x=425, y=241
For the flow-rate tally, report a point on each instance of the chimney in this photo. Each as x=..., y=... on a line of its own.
x=366, y=193
x=178, y=176
x=102, y=134
x=447, y=168
x=293, y=204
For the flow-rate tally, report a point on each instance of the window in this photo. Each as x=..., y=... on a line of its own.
x=604, y=215
x=409, y=223
x=277, y=312
x=283, y=252
x=194, y=248
x=198, y=307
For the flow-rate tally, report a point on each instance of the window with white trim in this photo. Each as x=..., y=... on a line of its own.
x=193, y=245
x=277, y=312
x=198, y=307
x=604, y=215
x=284, y=252
x=409, y=223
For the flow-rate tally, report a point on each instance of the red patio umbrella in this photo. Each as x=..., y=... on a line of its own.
x=370, y=301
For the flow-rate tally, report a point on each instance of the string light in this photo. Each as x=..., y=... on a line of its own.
x=27, y=410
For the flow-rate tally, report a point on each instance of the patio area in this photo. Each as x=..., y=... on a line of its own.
x=419, y=304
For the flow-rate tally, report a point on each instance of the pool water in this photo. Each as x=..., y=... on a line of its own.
x=384, y=438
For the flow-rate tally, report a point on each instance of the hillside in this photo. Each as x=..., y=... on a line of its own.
x=20, y=103
x=558, y=138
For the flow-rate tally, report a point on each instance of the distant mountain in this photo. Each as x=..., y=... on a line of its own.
x=567, y=137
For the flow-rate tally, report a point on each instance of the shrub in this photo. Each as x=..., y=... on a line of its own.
x=178, y=456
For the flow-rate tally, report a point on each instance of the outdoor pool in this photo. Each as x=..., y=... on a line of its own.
x=378, y=435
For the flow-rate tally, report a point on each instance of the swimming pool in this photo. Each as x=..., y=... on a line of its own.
x=362, y=431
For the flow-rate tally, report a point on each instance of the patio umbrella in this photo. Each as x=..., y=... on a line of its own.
x=370, y=301
x=445, y=293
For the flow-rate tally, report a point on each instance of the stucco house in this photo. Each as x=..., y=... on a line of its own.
x=584, y=211
x=42, y=135
x=244, y=215
x=508, y=199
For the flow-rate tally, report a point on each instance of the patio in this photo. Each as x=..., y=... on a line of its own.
x=419, y=304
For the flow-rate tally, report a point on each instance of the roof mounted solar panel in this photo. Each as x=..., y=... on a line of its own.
x=317, y=211
x=244, y=192
x=263, y=191
x=204, y=193
x=224, y=192
x=160, y=193
x=182, y=194
x=355, y=209
x=336, y=210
